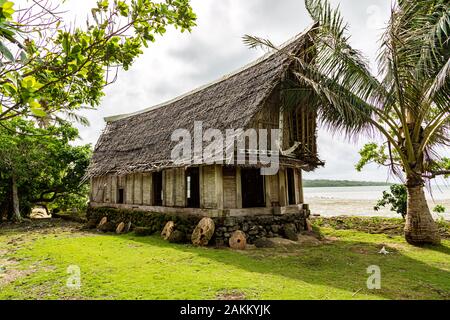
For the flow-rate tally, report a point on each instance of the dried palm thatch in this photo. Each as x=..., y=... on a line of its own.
x=141, y=141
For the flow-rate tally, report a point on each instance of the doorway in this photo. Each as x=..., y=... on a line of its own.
x=290, y=185
x=157, y=188
x=252, y=186
x=193, y=187
x=120, y=197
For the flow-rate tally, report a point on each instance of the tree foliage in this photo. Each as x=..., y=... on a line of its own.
x=407, y=103
x=49, y=67
x=48, y=168
x=396, y=198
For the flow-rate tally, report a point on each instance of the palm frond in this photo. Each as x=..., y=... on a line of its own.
x=254, y=42
x=337, y=59
x=73, y=116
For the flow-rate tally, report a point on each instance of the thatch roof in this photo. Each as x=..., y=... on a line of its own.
x=142, y=141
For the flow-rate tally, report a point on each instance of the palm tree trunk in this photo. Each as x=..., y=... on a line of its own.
x=420, y=227
x=15, y=196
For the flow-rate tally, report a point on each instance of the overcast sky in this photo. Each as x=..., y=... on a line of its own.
x=177, y=63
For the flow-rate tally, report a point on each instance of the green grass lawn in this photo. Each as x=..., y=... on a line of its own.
x=33, y=265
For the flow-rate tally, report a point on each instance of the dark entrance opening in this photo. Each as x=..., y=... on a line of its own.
x=252, y=184
x=157, y=188
x=290, y=185
x=193, y=187
x=120, y=196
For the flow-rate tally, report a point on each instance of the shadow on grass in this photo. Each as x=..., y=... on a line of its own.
x=341, y=265
x=406, y=273
x=440, y=248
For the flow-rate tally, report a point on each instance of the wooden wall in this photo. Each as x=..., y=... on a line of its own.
x=229, y=188
x=174, y=187
x=129, y=189
x=272, y=190
x=114, y=189
x=147, y=189
x=297, y=125
x=208, y=187
x=137, y=191
x=220, y=188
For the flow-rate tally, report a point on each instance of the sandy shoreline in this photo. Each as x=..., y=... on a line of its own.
x=326, y=206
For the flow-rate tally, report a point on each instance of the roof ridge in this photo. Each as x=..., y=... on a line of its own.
x=261, y=59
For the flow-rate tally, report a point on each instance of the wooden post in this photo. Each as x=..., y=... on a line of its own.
x=181, y=199
x=281, y=127
x=147, y=189
x=174, y=174
x=129, y=188
x=137, y=188
x=267, y=191
x=91, y=193
x=114, y=189
x=297, y=187
x=219, y=186
x=238, y=188
x=282, y=187
x=201, y=187
x=164, y=196
x=303, y=120
x=300, y=186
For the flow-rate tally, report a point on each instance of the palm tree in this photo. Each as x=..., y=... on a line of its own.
x=407, y=103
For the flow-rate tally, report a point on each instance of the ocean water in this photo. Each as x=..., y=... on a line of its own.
x=359, y=201
x=368, y=193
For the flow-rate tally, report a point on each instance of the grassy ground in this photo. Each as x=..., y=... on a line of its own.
x=34, y=261
x=375, y=225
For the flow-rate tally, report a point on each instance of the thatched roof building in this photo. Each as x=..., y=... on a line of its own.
x=132, y=164
x=140, y=141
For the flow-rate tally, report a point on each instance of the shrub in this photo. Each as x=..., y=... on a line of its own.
x=397, y=198
x=439, y=209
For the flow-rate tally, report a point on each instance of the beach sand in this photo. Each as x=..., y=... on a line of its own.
x=360, y=207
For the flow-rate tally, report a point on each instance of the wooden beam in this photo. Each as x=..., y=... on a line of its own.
x=114, y=189
x=267, y=191
x=219, y=185
x=238, y=188
x=300, y=186
x=297, y=187
x=282, y=187
x=201, y=187
x=303, y=120
x=147, y=189
x=173, y=173
x=163, y=187
x=137, y=188
x=91, y=193
x=180, y=198
x=129, y=188
x=281, y=127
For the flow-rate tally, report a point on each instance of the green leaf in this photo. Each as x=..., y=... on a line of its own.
x=66, y=43
x=10, y=88
x=28, y=82
x=36, y=109
x=7, y=9
x=23, y=57
x=5, y=51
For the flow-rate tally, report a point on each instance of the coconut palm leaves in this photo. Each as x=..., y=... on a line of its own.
x=408, y=102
